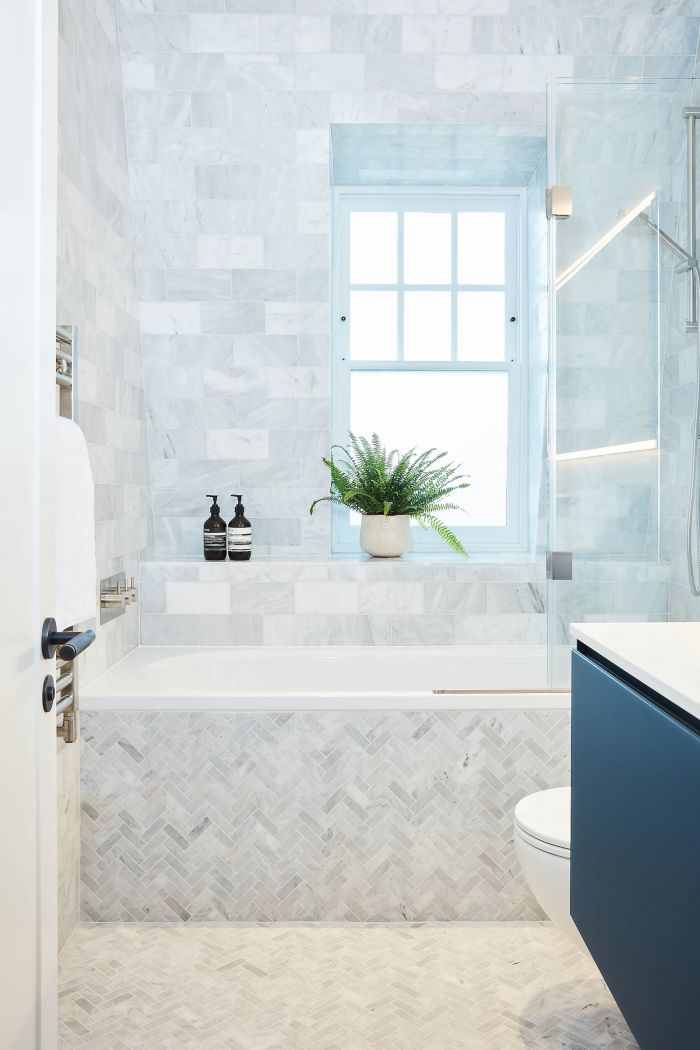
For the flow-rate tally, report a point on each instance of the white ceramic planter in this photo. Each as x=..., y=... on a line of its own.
x=385, y=536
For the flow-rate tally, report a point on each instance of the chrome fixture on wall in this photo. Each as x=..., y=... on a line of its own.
x=67, y=371
x=115, y=595
x=66, y=645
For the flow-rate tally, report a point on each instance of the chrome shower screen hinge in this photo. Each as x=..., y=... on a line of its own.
x=559, y=565
x=560, y=202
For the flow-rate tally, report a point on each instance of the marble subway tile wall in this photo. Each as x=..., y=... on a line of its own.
x=322, y=602
x=97, y=292
x=229, y=107
x=96, y=285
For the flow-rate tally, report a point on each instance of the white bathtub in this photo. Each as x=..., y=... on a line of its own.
x=329, y=678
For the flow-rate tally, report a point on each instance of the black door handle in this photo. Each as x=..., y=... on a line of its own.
x=69, y=643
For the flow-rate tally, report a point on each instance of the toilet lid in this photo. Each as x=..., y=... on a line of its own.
x=546, y=816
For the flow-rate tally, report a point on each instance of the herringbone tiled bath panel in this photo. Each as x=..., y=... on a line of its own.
x=307, y=816
x=401, y=987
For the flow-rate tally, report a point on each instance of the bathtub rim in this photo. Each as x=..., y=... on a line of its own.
x=280, y=703
x=107, y=693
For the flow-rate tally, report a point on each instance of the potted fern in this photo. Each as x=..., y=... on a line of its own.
x=389, y=489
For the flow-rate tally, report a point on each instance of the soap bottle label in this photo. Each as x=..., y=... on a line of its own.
x=240, y=539
x=215, y=541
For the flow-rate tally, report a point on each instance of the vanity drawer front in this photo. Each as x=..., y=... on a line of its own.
x=635, y=853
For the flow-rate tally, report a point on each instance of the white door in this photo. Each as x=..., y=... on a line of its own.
x=28, y=58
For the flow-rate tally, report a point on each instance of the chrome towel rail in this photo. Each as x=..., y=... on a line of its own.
x=497, y=692
x=66, y=371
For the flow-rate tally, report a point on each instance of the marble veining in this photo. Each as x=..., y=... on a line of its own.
x=457, y=987
x=325, y=816
x=230, y=114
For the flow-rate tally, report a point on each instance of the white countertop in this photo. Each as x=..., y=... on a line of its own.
x=663, y=656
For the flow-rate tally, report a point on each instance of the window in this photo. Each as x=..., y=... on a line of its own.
x=427, y=346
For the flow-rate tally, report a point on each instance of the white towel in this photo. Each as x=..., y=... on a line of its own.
x=76, y=570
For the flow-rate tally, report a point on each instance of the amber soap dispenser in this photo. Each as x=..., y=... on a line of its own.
x=240, y=534
x=214, y=533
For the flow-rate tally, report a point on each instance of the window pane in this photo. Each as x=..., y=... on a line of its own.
x=427, y=248
x=481, y=247
x=427, y=326
x=481, y=326
x=373, y=326
x=462, y=413
x=373, y=247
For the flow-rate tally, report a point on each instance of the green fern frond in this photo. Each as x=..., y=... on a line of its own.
x=368, y=479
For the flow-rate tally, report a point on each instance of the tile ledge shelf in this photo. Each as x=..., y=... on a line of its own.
x=353, y=559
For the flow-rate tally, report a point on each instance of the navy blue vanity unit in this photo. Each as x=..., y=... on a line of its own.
x=635, y=835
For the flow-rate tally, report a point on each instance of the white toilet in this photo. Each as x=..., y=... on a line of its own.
x=543, y=845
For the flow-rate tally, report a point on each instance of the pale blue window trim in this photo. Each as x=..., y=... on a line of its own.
x=479, y=539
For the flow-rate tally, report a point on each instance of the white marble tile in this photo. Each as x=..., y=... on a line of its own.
x=233, y=382
x=265, y=350
x=256, y=597
x=188, y=72
x=230, y=630
x=513, y=598
x=158, y=108
x=422, y=630
x=455, y=597
x=221, y=33
x=321, y=629
x=197, y=599
x=229, y=252
x=327, y=598
x=210, y=109
x=233, y=318
x=169, y=630
x=501, y=629
x=198, y=285
x=440, y=34
x=536, y=984
x=329, y=72
x=246, y=191
x=467, y=73
x=303, y=33
x=237, y=444
x=391, y=598
x=225, y=181
x=282, y=318
x=149, y=32
x=170, y=318
x=366, y=35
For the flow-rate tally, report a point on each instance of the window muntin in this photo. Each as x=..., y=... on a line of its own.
x=429, y=350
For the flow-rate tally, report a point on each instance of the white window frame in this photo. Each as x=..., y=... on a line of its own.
x=479, y=539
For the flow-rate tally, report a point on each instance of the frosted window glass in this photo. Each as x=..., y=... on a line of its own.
x=427, y=326
x=462, y=413
x=481, y=326
x=427, y=248
x=481, y=247
x=373, y=326
x=373, y=247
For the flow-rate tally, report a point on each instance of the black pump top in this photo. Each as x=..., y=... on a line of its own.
x=215, y=506
x=239, y=506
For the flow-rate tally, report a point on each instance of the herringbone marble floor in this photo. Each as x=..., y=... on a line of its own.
x=323, y=987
